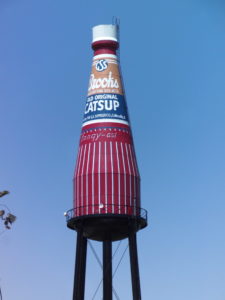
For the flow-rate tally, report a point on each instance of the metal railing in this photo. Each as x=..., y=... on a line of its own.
x=107, y=209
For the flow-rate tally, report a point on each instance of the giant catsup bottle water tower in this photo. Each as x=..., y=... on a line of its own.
x=106, y=180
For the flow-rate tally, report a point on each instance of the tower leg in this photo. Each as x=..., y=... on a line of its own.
x=134, y=267
x=107, y=270
x=80, y=266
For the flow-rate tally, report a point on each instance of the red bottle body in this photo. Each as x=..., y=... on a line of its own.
x=106, y=178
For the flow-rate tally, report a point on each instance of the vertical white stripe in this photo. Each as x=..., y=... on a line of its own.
x=93, y=190
x=99, y=176
x=118, y=164
x=89, y=146
x=106, y=175
x=134, y=177
x=112, y=177
x=125, y=188
x=129, y=171
x=82, y=181
x=78, y=179
x=78, y=158
x=75, y=180
x=135, y=161
x=137, y=179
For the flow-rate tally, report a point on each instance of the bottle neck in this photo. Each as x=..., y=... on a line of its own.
x=105, y=47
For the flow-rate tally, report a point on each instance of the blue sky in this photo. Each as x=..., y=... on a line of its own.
x=173, y=62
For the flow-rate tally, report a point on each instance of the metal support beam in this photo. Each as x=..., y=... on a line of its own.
x=135, y=278
x=107, y=270
x=80, y=266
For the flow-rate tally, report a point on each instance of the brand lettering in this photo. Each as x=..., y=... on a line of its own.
x=105, y=82
x=101, y=65
x=101, y=105
x=102, y=96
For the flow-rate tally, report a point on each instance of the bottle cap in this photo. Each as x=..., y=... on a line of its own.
x=104, y=32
